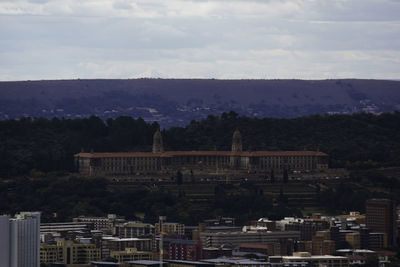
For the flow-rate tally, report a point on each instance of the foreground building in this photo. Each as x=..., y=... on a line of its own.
x=305, y=259
x=284, y=239
x=20, y=240
x=69, y=252
x=160, y=162
x=381, y=217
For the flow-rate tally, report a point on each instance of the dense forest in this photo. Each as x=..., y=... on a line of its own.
x=74, y=196
x=61, y=198
x=358, y=141
x=36, y=166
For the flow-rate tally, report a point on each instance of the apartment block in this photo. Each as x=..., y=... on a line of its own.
x=20, y=240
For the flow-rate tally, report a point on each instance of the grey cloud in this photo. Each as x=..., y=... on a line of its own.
x=123, y=4
x=320, y=39
x=38, y=1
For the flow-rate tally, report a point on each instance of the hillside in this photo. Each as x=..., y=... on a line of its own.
x=173, y=102
x=36, y=161
x=190, y=203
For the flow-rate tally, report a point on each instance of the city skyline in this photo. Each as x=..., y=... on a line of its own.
x=112, y=239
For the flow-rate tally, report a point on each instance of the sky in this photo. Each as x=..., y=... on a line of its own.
x=222, y=39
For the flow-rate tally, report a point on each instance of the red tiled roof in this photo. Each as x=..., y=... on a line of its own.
x=199, y=153
x=351, y=216
x=285, y=153
x=386, y=253
x=117, y=154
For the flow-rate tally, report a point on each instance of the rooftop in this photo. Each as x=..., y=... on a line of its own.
x=198, y=153
x=314, y=257
x=143, y=262
x=117, y=239
x=234, y=261
x=247, y=245
x=104, y=263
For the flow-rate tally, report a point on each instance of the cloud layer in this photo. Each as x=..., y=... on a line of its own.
x=306, y=39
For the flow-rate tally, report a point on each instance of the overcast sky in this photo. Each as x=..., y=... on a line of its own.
x=225, y=39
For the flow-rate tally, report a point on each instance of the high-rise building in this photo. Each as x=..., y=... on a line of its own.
x=20, y=240
x=381, y=218
x=4, y=241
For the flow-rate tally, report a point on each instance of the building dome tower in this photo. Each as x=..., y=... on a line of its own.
x=157, y=142
x=237, y=145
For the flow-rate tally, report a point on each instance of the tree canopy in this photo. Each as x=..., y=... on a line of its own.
x=358, y=141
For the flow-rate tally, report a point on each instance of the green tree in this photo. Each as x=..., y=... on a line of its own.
x=179, y=177
x=372, y=261
x=285, y=176
x=272, y=176
x=192, y=179
x=282, y=199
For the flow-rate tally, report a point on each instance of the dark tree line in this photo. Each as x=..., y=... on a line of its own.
x=72, y=197
x=49, y=145
x=358, y=141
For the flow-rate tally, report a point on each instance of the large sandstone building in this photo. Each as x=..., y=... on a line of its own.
x=164, y=163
